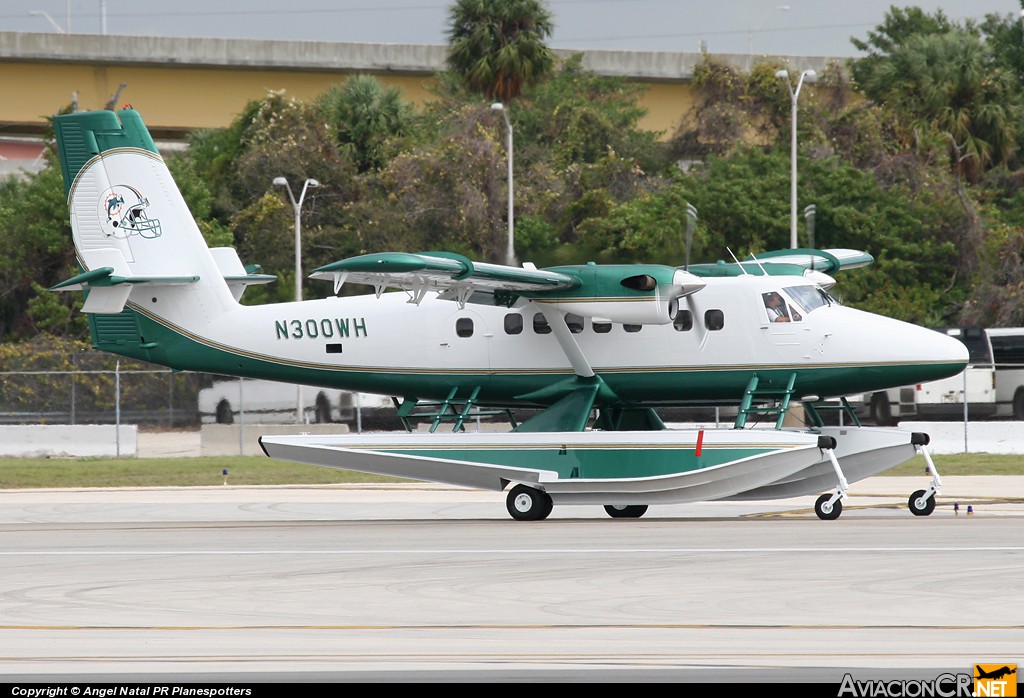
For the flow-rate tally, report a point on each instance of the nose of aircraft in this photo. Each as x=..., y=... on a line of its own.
x=936, y=354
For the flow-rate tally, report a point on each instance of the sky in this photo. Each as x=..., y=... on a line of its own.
x=798, y=27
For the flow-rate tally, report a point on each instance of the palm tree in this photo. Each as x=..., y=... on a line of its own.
x=945, y=84
x=365, y=114
x=497, y=46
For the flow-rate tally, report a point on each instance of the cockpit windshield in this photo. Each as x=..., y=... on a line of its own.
x=810, y=298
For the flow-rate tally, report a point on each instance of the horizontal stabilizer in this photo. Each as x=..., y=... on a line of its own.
x=104, y=277
x=237, y=276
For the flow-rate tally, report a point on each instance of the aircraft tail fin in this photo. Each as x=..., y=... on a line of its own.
x=130, y=224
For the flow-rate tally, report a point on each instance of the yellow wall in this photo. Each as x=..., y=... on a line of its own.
x=188, y=98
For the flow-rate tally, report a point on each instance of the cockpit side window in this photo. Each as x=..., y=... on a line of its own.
x=775, y=307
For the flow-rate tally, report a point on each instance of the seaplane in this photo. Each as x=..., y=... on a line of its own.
x=596, y=349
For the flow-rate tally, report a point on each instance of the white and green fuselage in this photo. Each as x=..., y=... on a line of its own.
x=574, y=338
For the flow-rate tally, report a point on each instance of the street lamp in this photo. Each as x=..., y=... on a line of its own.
x=510, y=251
x=53, y=23
x=809, y=76
x=297, y=205
x=757, y=27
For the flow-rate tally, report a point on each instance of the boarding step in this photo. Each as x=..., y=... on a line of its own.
x=453, y=409
x=758, y=401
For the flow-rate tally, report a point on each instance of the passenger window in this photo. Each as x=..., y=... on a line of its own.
x=714, y=320
x=513, y=323
x=601, y=327
x=574, y=323
x=540, y=324
x=632, y=328
x=683, y=321
x=464, y=327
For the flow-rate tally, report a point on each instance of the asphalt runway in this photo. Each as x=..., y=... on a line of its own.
x=410, y=583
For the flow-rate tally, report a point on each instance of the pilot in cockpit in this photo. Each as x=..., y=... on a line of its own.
x=776, y=307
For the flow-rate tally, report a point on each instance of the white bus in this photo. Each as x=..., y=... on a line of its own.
x=1008, y=353
x=231, y=400
x=945, y=398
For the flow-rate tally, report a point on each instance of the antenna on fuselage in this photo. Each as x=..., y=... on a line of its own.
x=738, y=263
x=763, y=270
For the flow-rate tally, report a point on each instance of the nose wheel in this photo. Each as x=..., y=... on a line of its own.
x=624, y=511
x=828, y=507
x=921, y=503
x=528, y=503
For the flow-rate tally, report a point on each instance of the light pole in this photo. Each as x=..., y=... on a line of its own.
x=45, y=15
x=297, y=205
x=809, y=76
x=510, y=251
x=757, y=27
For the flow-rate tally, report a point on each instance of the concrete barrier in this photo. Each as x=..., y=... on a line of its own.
x=64, y=441
x=235, y=440
x=982, y=437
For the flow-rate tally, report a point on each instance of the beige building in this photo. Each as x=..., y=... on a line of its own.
x=183, y=84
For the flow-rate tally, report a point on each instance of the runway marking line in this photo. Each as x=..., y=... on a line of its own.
x=527, y=626
x=508, y=551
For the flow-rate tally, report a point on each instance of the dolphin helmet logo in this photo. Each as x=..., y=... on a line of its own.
x=122, y=213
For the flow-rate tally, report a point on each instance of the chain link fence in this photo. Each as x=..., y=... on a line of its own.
x=156, y=398
x=100, y=391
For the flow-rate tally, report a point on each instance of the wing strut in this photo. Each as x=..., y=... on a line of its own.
x=572, y=351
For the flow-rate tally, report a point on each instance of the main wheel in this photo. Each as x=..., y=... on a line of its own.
x=528, y=504
x=323, y=409
x=624, y=511
x=1018, y=404
x=224, y=414
x=826, y=511
x=919, y=506
x=881, y=410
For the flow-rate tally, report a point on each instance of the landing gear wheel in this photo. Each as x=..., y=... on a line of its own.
x=826, y=511
x=528, y=504
x=881, y=410
x=624, y=511
x=919, y=506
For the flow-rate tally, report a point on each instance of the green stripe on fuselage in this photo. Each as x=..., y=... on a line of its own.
x=159, y=343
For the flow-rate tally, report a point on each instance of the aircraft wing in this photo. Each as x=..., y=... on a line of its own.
x=827, y=261
x=443, y=272
x=795, y=262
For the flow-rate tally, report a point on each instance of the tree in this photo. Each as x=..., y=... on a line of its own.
x=949, y=90
x=898, y=26
x=497, y=46
x=365, y=114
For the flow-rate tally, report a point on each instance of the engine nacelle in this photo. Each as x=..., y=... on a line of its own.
x=635, y=294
